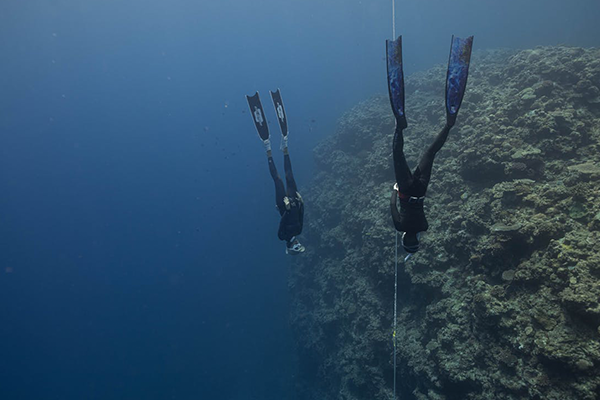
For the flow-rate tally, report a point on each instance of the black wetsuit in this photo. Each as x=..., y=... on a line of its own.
x=413, y=186
x=289, y=204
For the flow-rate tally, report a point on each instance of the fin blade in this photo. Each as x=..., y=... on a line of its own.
x=258, y=116
x=458, y=72
x=395, y=78
x=280, y=111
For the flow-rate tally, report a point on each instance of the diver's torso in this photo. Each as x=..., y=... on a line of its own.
x=292, y=219
x=412, y=217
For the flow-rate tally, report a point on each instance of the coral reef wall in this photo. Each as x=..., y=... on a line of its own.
x=503, y=300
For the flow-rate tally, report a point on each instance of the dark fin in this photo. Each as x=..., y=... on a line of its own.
x=258, y=115
x=458, y=71
x=395, y=77
x=280, y=111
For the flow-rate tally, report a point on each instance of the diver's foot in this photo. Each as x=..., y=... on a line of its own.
x=293, y=247
x=284, y=143
x=267, y=144
x=269, y=154
x=450, y=121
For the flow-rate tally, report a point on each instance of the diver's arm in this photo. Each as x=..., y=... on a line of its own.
x=301, y=217
x=281, y=233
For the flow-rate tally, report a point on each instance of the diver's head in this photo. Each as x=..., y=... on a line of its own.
x=293, y=247
x=410, y=241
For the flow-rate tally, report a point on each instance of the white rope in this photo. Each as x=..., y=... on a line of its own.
x=393, y=19
x=396, y=246
x=395, y=310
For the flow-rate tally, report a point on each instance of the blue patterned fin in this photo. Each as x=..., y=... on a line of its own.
x=458, y=71
x=395, y=77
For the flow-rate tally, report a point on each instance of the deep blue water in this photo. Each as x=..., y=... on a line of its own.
x=138, y=248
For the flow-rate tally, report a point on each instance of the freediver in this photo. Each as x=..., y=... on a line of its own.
x=410, y=187
x=289, y=202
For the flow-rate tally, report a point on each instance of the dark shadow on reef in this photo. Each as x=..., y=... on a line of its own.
x=502, y=302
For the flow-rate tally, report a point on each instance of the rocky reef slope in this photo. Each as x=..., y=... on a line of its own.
x=503, y=300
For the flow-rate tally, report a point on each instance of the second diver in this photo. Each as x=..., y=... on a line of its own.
x=289, y=202
x=410, y=187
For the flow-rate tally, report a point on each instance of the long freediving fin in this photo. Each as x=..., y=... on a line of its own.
x=280, y=111
x=456, y=78
x=395, y=77
x=258, y=116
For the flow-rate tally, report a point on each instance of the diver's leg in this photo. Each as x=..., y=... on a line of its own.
x=423, y=172
x=289, y=175
x=401, y=169
x=279, y=188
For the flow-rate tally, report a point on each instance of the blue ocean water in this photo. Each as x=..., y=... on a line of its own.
x=138, y=248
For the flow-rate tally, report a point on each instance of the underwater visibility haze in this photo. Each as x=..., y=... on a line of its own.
x=139, y=249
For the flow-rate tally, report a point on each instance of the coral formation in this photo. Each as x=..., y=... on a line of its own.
x=503, y=300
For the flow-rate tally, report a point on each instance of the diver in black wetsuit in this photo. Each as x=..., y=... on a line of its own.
x=410, y=187
x=289, y=202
